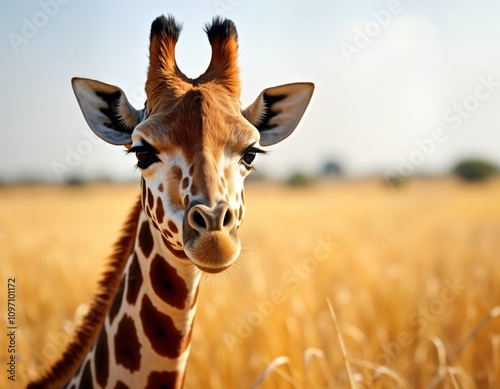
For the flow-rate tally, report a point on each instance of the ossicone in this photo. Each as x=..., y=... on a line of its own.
x=164, y=76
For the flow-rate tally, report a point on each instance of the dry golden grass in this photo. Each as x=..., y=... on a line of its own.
x=411, y=274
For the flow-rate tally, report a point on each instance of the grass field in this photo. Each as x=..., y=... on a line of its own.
x=413, y=276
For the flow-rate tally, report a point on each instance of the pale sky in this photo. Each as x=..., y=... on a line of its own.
x=397, y=82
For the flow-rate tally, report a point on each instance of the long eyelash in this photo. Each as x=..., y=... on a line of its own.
x=144, y=147
x=256, y=150
x=136, y=149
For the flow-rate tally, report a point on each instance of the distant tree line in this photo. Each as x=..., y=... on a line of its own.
x=475, y=170
x=471, y=170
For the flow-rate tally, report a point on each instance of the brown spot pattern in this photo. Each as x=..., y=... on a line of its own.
x=134, y=281
x=159, y=328
x=167, y=284
x=160, y=212
x=86, y=380
x=121, y=385
x=145, y=239
x=168, y=233
x=163, y=380
x=194, y=189
x=117, y=302
x=143, y=194
x=151, y=199
x=173, y=227
x=240, y=212
x=178, y=253
x=101, y=361
x=127, y=346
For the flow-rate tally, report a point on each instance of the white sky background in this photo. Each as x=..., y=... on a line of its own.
x=366, y=113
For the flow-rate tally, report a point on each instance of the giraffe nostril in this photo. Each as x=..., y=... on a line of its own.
x=206, y=220
x=228, y=218
x=199, y=220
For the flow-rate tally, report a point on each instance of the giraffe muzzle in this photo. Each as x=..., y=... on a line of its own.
x=210, y=238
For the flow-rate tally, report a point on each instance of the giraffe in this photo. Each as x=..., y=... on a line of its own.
x=194, y=146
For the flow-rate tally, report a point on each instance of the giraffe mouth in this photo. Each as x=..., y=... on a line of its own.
x=212, y=270
x=213, y=252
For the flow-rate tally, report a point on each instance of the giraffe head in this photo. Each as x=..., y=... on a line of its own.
x=193, y=141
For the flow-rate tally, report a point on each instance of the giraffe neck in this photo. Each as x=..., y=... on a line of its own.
x=138, y=329
x=145, y=339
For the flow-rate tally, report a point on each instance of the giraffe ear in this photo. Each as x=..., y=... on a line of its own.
x=106, y=110
x=278, y=110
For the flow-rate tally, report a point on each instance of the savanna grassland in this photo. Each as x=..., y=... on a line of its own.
x=412, y=275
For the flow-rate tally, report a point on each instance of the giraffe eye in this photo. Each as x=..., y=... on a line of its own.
x=144, y=158
x=145, y=155
x=249, y=157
